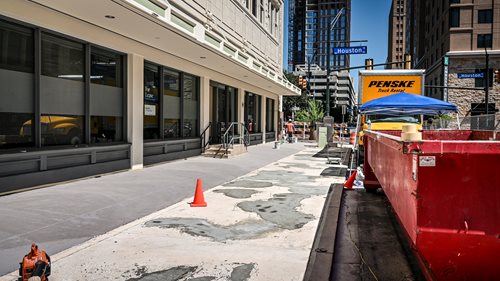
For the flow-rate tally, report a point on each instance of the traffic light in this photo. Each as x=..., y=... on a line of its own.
x=301, y=81
x=369, y=64
x=304, y=83
x=407, y=63
x=496, y=75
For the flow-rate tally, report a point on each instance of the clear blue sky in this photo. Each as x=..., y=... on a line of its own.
x=369, y=21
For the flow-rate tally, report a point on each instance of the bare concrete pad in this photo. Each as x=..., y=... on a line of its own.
x=237, y=193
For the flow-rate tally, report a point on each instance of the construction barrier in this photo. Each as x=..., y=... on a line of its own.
x=352, y=137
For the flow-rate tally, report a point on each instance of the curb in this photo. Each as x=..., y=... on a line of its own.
x=320, y=261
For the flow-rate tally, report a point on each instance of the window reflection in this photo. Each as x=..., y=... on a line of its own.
x=171, y=104
x=62, y=58
x=106, y=68
x=151, y=102
x=16, y=85
x=190, y=106
x=60, y=130
x=105, y=129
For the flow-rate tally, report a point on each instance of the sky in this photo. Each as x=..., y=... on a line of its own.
x=369, y=21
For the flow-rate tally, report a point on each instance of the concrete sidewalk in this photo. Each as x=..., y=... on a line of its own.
x=261, y=225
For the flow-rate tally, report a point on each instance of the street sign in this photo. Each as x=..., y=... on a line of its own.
x=470, y=75
x=445, y=62
x=350, y=50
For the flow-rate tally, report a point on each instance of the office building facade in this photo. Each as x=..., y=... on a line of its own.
x=451, y=40
x=89, y=87
x=312, y=32
x=397, y=31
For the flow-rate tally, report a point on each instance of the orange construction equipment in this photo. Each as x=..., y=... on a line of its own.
x=35, y=263
x=352, y=137
x=348, y=184
x=199, y=199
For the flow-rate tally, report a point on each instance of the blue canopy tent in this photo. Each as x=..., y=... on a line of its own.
x=402, y=104
x=405, y=104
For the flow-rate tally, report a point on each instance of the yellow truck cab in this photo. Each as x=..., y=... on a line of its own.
x=374, y=84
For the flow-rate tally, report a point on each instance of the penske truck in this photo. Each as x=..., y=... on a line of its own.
x=374, y=84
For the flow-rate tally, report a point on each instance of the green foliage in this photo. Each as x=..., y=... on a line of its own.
x=312, y=113
x=443, y=117
x=290, y=102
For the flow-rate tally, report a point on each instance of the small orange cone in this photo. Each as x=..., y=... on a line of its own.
x=350, y=181
x=199, y=199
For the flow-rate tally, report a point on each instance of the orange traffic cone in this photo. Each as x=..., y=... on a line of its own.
x=199, y=199
x=350, y=181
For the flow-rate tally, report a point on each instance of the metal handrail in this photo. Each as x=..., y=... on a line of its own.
x=202, y=138
x=228, y=140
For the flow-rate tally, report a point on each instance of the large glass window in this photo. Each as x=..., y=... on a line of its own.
x=177, y=107
x=485, y=16
x=62, y=90
x=252, y=112
x=171, y=104
x=269, y=115
x=62, y=96
x=479, y=82
x=106, y=96
x=151, y=102
x=16, y=86
x=190, y=106
x=454, y=17
x=484, y=40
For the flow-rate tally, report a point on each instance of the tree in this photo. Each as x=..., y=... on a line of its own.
x=290, y=102
x=312, y=114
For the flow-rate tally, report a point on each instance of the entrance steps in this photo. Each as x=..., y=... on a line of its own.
x=218, y=151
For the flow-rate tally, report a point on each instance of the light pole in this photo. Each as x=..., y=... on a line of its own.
x=487, y=78
x=309, y=59
x=332, y=25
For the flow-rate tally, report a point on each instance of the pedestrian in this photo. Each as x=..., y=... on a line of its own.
x=290, y=128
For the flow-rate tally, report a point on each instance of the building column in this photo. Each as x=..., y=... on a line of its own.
x=263, y=117
x=277, y=123
x=135, y=106
x=241, y=105
x=205, y=104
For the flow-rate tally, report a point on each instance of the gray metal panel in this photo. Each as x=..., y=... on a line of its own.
x=27, y=162
x=65, y=161
x=148, y=160
x=30, y=180
x=19, y=167
x=107, y=156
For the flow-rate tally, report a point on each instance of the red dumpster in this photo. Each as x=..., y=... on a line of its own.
x=445, y=191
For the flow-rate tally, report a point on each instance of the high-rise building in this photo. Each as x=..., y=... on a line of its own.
x=316, y=26
x=456, y=41
x=89, y=87
x=397, y=31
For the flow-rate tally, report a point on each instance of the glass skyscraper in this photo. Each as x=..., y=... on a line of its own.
x=309, y=24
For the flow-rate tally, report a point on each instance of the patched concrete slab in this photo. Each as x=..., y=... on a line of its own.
x=200, y=227
x=171, y=274
x=249, y=184
x=280, y=210
x=237, y=193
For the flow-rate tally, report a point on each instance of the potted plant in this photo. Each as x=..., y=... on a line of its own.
x=311, y=114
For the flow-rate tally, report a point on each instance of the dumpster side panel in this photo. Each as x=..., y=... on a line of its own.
x=460, y=189
x=393, y=170
x=459, y=213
